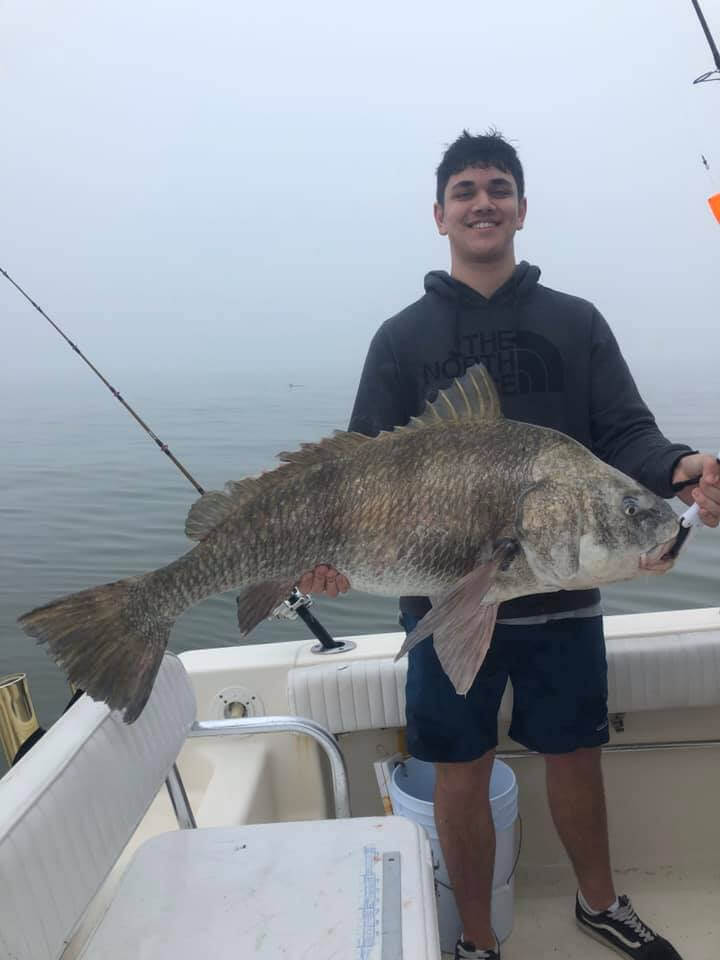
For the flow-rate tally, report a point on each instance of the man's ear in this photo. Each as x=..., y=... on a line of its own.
x=439, y=214
x=522, y=212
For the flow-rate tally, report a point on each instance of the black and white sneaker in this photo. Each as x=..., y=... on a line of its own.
x=624, y=932
x=464, y=950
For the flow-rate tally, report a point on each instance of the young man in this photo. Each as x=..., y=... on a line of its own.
x=556, y=364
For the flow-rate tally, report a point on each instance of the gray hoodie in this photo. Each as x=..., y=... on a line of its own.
x=555, y=363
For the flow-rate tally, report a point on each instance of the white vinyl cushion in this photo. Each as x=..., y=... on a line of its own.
x=663, y=673
x=652, y=671
x=362, y=695
x=70, y=805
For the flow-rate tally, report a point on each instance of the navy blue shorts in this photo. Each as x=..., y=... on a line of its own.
x=558, y=672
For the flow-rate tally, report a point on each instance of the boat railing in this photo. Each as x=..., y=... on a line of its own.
x=248, y=725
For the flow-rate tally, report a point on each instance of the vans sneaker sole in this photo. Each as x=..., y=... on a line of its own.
x=588, y=931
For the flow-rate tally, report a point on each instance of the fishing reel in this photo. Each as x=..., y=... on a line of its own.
x=296, y=605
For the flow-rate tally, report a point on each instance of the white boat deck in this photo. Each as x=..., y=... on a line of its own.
x=680, y=904
x=662, y=776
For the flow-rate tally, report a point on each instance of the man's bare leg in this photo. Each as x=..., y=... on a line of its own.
x=577, y=803
x=467, y=837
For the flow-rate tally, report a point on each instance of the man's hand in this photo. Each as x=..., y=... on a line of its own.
x=707, y=493
x=324, y=579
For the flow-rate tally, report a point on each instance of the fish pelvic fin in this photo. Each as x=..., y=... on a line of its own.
x=106, y=641
x=462, y=660
x=461, y=624
x=256, y=603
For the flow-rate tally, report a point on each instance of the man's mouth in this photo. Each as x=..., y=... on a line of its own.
x=482, y=224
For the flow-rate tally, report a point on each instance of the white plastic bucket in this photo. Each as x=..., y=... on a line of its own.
x=412, y=787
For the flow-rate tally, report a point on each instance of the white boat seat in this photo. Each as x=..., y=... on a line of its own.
x=71, y=804
x=655, y=662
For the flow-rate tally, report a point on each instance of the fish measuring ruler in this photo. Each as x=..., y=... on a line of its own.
x=381, y=909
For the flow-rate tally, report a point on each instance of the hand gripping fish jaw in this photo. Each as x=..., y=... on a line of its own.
x=689, y=521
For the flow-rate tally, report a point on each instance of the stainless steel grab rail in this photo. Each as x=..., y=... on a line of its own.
x=247, y=725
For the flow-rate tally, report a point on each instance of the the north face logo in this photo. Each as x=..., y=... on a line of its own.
x=519, y=361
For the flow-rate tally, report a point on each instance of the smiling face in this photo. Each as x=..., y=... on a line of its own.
x=480, y=215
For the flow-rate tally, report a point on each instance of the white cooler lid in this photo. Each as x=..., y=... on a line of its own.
x=324, y=889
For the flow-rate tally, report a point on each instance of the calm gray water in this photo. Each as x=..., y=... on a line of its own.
x=86, y=497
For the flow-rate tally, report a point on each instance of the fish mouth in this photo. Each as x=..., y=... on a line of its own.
x=659, y=558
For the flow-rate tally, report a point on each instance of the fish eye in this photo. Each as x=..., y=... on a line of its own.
x=630, y=507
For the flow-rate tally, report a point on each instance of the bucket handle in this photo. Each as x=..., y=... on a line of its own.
x=436, y=864
x=519, y=848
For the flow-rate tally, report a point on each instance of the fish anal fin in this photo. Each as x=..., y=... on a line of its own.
x=257, y=602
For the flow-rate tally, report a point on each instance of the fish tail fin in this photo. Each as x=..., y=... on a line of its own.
x=107, y=640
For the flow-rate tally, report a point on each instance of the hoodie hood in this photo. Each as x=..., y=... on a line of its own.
x=466, y=305
x=523, y=281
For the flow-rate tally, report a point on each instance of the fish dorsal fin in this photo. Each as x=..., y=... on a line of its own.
x=472, y=397
x=212, y=508
x=341, y=442
x=216, y=506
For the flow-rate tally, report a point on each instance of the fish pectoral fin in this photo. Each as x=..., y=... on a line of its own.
x=461, y=624
x=257, y=602
x=461, y=651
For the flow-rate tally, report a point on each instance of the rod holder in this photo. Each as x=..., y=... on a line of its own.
x=18, y=721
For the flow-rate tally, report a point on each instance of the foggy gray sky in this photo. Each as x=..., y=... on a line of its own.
x=241, y=186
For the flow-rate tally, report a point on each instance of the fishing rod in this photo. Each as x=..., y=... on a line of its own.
x=116, y=393
x=710, y=74
x=297, y=603
x=691, y=520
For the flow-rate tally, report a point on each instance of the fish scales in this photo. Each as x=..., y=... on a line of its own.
x=460, y=504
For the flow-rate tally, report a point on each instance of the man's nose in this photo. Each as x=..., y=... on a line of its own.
x=483, y=201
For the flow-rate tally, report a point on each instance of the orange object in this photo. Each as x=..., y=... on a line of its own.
x=714, y=202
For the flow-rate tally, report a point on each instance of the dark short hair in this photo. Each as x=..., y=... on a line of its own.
x=486, y=150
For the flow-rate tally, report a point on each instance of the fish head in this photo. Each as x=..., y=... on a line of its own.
x=582, y=533
x=627, y=530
